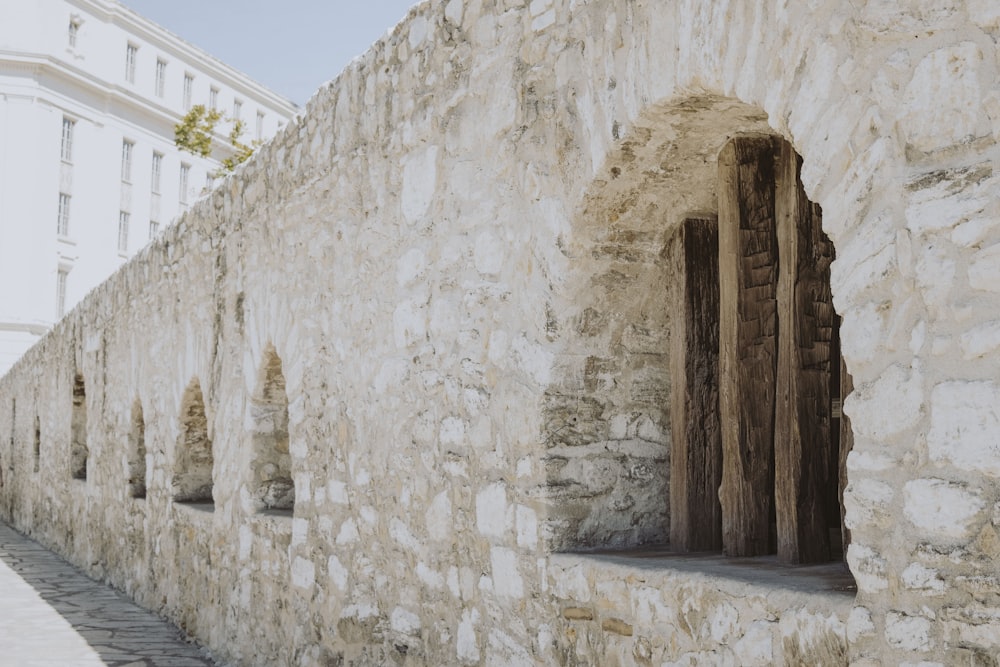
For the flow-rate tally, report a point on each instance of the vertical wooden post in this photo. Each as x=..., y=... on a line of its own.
x=834, y=518
x=802, y=412
x=846, y=445
x=748, y=257
x=696, y=446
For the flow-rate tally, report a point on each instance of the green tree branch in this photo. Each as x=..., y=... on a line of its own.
x=194, y=135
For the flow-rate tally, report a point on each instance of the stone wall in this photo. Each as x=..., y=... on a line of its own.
x=456, y=266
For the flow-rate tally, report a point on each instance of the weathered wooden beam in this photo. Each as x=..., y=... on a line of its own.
x=846, y=445
x=696, y=445
x=802, y=439
x=748, y=258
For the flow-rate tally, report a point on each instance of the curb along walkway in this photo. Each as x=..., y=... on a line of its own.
x=51, y=614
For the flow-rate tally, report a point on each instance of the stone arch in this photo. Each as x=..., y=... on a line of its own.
x=11, y=448
x=137, y=452
x=79, y=451
x=193, y=458
x=273, y=487
x=607, y=420
x=37, y=445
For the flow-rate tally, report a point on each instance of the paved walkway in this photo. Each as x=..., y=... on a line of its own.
x=51, y=614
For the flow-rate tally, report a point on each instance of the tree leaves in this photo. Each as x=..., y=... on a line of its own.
x=196, y=130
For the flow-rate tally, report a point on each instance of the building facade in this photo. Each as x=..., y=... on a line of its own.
x=90, y=93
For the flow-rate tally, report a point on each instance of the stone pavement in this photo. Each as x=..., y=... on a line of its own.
x=51, y=614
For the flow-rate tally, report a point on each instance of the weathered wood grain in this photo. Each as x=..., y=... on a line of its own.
x=846, y=445
x=748, y=257
x=696, y=445
x=802, y=441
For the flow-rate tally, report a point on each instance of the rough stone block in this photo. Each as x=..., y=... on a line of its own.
x=965, y=426
x=941, y=509
x=941, y=104
x=910, y=633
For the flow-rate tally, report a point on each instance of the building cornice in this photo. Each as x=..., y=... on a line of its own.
x=116, y=13
x=25, y=327
x=37, y=64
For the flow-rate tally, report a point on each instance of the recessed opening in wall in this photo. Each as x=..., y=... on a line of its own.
x=193, y=460
x=272, y=484
x=636, y=448
x=13, y=431
x=137, y=453
x=38, y=443
x=78, y=430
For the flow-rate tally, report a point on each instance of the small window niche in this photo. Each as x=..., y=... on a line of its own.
x=193, y=460
x=137, y=453
x=38, y=443
x=273, y=487
x=78, y=430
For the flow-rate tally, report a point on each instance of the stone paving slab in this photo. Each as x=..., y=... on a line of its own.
x=51, y=614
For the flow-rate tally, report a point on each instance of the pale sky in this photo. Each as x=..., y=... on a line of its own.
x=290, y=46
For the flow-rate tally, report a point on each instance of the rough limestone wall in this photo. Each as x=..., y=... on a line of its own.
x=894, y=109
x=424, y=250
x=615, y=610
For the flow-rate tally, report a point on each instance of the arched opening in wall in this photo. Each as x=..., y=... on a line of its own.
x=13, y=432
x=635, y=415
x=137, y=453
x=78, y=430
x=37, y=444
x=193, y=461
x=273, y=487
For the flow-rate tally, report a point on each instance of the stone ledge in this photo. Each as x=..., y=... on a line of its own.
x=195, y=509
x=828, y=584
x=663, y=607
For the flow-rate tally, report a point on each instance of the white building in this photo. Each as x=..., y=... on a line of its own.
x=89, y=95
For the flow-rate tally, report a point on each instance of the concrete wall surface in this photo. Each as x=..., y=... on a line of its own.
x=436, y=310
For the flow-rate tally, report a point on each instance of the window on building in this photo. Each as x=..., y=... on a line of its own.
x=185, y=177
x=188, y=87
x=123, y=223
x=154, y=229
x=260, y=126
x=66, y=150
x=131, y=54
x=62, y=222
x=73, y=32
x=213, y=98
x=157, y=174
x=61, y=277
x=237, y=110
x=161, y=76
x=127, y=148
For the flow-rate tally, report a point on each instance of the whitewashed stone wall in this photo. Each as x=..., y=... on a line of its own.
x=460, y=253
